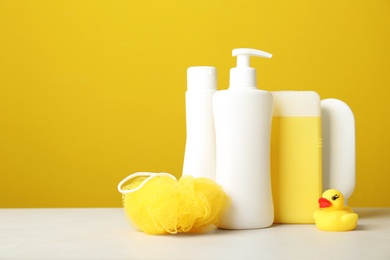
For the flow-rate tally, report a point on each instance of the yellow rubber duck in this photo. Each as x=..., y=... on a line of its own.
x=333, y=215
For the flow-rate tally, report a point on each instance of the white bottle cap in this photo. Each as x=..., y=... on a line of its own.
x=201, y=77
x=243, y=75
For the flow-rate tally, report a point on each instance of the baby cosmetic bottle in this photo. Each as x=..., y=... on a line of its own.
x=199, y=157
x=339, y=147
x=243, y=117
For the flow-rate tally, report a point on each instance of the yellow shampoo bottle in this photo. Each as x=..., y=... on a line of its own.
x=296, y=155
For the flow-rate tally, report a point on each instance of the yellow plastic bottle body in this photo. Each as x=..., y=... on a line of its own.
x=296, y=158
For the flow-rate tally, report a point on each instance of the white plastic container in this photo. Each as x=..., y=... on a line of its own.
x=243, y=117
x=199, y=157
x=339, y=147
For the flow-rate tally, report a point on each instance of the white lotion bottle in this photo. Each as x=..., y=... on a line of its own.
x=243, y=115
x=199, y=156
x=339, y=147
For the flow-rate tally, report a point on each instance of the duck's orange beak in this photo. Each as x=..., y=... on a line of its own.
x=324, y=203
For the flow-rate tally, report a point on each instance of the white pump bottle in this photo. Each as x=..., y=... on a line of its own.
x=242, y=116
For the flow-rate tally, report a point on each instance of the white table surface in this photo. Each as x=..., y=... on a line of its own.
x=104, y=233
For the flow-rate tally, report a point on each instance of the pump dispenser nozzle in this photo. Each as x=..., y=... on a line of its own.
x=243, y=75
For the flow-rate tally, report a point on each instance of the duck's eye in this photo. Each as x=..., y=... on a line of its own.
x=335, y=197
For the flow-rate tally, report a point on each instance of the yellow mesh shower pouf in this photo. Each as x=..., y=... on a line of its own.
x=158, y=203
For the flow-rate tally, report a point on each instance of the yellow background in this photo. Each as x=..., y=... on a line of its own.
x=91, y=91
